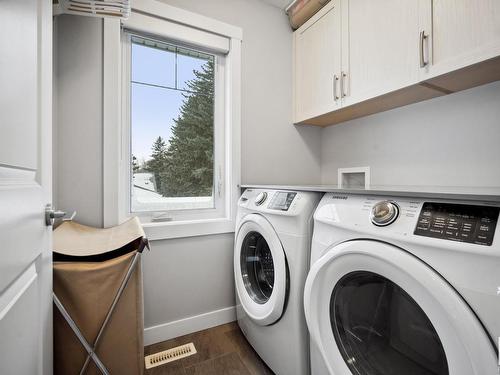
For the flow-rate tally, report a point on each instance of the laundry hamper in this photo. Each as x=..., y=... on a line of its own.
x=98, y=305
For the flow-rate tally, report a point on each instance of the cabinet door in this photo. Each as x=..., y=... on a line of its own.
x=379, y=47
x=460, y=33
x=317, y=48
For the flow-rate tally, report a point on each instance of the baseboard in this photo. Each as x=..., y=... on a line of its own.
x=185, y=326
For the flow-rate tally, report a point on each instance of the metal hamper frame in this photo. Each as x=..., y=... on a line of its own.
x=91, y=350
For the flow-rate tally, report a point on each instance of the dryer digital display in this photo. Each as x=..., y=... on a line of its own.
x=458, y=222
x=281, y=201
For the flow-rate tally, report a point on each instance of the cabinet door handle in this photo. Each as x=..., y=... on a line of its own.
x=335, y=81
x=423, y=37
x=343, y=78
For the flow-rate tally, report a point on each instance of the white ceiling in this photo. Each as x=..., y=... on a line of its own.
x=282, y=4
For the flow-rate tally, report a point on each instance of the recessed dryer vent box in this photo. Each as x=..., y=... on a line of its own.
x=354, y=178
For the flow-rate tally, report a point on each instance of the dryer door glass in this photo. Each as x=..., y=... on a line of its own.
x=380, y=330
x=257, y=267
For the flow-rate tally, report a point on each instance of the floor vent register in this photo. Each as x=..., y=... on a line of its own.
x=169, y=355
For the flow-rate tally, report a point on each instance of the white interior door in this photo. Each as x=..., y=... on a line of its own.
x=380, y=47
x=317, y=49
x=25, y=186
x=460, y=33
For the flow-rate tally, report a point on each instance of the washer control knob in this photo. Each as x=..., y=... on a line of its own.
x=260, y=198
x=384, y=213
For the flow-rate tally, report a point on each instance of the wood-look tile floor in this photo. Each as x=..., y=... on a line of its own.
x=221, y=350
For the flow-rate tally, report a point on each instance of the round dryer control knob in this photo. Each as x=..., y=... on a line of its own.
x=260, y=198
x=384, y=213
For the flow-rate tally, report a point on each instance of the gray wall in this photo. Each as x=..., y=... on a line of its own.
x=439, y=142
x=187, y=277
x=448, y=141
x=191, y=276
x=78, y=117
x=273, y=150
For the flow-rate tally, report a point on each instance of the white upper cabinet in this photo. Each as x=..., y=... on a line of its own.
x=359, y=57
x=317, y=59
x=458, y=34
x=380, y=47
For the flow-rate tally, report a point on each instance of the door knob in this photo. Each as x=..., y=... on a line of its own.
x=51, y=215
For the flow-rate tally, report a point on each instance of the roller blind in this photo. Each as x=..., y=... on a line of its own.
x=147, y=24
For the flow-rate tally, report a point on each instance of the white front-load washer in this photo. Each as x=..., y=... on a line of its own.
x=404, y=286
x=271, y=261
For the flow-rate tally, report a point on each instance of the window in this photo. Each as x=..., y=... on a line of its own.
x=171, y=121
x=172, y=126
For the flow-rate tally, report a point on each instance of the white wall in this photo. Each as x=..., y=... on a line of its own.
x=448, y=141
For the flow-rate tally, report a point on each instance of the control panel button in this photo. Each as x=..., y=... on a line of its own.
x=458, y=222
x=260, y=198
x=384, y=213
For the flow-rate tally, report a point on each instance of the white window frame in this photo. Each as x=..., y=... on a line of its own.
x=164, y=22
x=219, y=139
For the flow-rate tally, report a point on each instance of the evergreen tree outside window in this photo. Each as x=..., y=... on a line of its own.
x=172, y=96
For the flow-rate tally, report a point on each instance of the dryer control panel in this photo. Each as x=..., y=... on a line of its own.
x=458, y=222
x=282, y=200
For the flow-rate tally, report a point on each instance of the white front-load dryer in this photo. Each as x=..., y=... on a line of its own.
x=271, y=260
x=404, y=286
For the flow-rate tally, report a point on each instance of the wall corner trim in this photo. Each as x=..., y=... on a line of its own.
x=111, y=121
x=170, y=330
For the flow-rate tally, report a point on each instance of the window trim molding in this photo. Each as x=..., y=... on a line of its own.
x=114, y=211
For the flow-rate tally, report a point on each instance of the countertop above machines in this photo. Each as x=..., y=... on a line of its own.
x=483, y=194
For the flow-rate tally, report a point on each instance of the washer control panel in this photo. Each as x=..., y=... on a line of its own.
x=281, y=200
x=458, y=222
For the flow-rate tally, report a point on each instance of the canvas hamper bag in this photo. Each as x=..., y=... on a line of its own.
x=98, y=300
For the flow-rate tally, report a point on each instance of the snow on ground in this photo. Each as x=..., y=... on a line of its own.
x=145, y=197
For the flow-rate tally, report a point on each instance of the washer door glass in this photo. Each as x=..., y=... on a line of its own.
x=257, y=267
x=380, y=329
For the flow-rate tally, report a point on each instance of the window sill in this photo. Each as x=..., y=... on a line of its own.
x=190, y=228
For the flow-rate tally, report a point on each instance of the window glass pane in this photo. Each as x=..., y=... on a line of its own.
x=153, y=64
x=381, y=330
x=172, y=132
x=192, y=64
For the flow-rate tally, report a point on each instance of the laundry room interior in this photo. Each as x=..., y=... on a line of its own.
x=255, y=187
